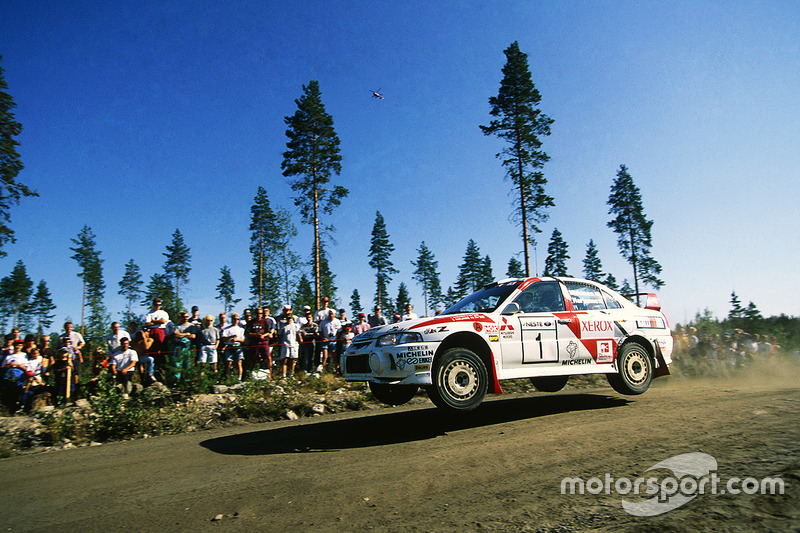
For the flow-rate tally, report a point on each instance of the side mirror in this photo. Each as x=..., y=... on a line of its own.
x=511, y=309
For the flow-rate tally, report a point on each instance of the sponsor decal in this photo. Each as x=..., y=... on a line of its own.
x=422, y=368
x=494, y=338
x=418, y=351
x=650, y=322
x=536, y=324
x=437, y=329
x=402, y=363
x=605, y=352
x=596, y=325
x=581, y=361
x=478, y=326
x=506, y=325
x=572, y=349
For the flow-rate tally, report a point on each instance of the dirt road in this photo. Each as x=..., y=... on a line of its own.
x=413, y=469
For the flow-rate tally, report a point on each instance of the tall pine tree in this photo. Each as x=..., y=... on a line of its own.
x=380, y=252
x=178, y=263
x=11, y=190
x=556, y=262
x=521, y=124
x=42, y=308
x=227, y=289
x=15, y=294
x=515, y=269
x=91, y=273
x=130, y=286
x=425, y=273
x=633, y=230
x=312, y=157
x=592, y=266
x=264, y=283
x=471, y=273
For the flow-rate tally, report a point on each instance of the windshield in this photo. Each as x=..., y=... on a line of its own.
x=484, y=301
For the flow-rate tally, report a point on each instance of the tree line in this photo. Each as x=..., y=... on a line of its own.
x=312, y=158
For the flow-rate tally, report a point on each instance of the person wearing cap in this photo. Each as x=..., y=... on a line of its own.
x=233, y=337
x=308, y=338
x=328, y=329
x=290, y=344
x=361, y=324
x=156, y=321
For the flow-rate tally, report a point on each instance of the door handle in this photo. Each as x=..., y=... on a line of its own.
x=564, y=321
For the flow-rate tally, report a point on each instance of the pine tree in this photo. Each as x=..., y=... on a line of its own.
x=521, y=123
x=160, y=286
x=227, y=289
x=402, y=299
x=611, y=282
x=11, y=191
x=303, y=294
x=380, y=252
x=285, y=263
x=486, y=275
x=91, y=273
x=327, y=279
x=737, y=311
x=556, y=262
x=178, y=263
x=312, y=156
x=41, y=308
x=592, y=267
x=15, y=293
x=515, y=269
x=426, y=275
x=471, y=273
x=355, y=304
x=130, y=286
x=633, y=230
x=264, y=284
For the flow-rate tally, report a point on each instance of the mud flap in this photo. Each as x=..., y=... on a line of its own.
x=662, y=367
x=494, y=383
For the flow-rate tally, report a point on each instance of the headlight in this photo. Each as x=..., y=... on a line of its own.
x=399, y=338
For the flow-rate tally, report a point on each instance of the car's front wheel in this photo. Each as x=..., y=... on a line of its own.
x=635, y=370
x=393, y=394
x=460, y=380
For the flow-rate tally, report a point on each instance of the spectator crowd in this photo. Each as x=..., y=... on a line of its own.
x=163, y=349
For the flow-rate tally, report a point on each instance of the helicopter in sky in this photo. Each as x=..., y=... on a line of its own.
x=377, y=94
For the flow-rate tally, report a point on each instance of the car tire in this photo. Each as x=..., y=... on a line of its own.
x=635, y=370
x=550, y=383
x=460, y=381
x=393, y=394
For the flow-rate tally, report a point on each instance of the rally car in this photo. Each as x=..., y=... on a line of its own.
x=545, y=329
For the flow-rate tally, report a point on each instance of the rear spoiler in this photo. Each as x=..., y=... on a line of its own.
x=652, y=302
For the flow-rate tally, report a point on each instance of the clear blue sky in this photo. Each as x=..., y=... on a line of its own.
x=143, y=117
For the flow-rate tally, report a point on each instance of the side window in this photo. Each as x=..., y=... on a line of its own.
x=611, y=303
x=541, y=297
x=585, y=297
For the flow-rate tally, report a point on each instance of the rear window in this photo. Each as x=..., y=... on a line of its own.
x=585, y=297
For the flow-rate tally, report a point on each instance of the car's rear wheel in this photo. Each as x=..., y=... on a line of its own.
x=460, y=380
x=393, y=394
x=550, y=383
x=635, y=370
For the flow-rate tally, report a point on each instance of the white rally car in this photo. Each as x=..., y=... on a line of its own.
x=545, y=329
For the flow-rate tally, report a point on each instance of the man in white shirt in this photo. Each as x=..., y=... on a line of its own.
x=123, y=364
x=113, y=338
x=410, y=315
x=232, y=337
x=328, y=329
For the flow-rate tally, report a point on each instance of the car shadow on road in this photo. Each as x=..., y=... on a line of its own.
x=403, y=426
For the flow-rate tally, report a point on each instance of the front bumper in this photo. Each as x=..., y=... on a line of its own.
x=406, y=364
